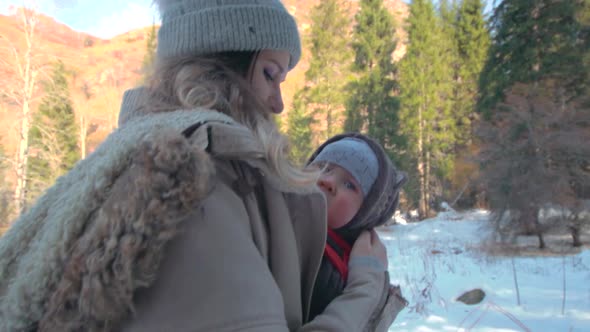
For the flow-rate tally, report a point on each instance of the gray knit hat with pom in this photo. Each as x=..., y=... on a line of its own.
x=199, y=27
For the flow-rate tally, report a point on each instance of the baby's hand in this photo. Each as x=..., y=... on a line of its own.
x=369, y=244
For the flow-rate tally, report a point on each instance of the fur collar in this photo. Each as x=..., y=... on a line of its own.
x=74, y=260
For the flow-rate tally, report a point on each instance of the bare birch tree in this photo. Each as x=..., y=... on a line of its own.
x=21, y=70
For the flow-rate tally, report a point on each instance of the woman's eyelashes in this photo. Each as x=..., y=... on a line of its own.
x=268, y=75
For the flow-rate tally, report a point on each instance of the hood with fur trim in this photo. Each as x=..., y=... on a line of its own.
x=381, y=201
x=74, y=260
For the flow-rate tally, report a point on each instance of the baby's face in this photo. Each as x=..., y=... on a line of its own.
x=344, y=195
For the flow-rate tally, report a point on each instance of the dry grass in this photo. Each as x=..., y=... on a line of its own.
x=557, y=244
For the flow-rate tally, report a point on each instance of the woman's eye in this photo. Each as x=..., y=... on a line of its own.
x=268, y=75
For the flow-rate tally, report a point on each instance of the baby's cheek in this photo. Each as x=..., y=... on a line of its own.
x=336, y=222
x=339, y=216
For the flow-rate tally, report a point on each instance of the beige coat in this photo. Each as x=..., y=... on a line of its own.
x=232, y=268
x=163, y=239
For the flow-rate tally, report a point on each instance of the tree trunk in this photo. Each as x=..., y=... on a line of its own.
x=27, y=75
x=427, y=182
x=420, y=166
x=541, y=241
x=537, y=226
x=575, y=232
x=22, y=161
x=422, y=200
x=532, y=215
x=83, y=135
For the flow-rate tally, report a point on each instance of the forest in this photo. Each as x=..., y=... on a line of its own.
x=487, y=108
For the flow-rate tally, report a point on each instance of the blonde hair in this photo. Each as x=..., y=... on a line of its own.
x=189, y=82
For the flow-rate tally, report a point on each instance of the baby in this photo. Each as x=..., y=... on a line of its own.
x=362, y=187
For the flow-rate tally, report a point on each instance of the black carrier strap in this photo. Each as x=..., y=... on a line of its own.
x=245, y=184
x=249, y=178
x=188, y=132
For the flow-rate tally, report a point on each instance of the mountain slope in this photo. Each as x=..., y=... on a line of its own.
x=103, y=69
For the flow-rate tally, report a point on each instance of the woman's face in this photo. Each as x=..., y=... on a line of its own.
x=267, y=73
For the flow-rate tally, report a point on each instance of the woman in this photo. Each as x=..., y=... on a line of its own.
x=189, y=217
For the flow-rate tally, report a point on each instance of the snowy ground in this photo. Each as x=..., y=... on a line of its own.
x=437, y=260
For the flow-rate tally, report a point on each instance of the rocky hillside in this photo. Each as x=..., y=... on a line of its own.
x=103, y=69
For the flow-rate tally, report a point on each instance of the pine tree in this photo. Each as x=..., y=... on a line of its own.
x=5, y=192
x=583, y=19
x=534, y=40
x=426, y=94
x=299, y=130
x=465, y=24
x=327, y=71
x=473, y=41
x=373, y=104
x=534, y=97
x=53, y=135
x=322, y=99
x=149, y=57
x=449, y=119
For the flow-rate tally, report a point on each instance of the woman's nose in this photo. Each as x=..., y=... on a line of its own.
x=276, y=101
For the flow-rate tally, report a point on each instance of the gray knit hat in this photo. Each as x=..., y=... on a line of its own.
x=355, y=156
x=210, y=26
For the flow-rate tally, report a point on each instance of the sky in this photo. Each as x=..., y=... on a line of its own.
x=100, y=18
x=436, y=260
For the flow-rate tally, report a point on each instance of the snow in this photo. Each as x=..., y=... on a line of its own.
x=437, y=260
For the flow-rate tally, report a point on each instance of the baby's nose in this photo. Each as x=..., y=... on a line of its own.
x=327, y=184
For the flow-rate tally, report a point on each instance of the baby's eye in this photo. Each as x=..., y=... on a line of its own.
x=328, y=169
x=350, y=185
